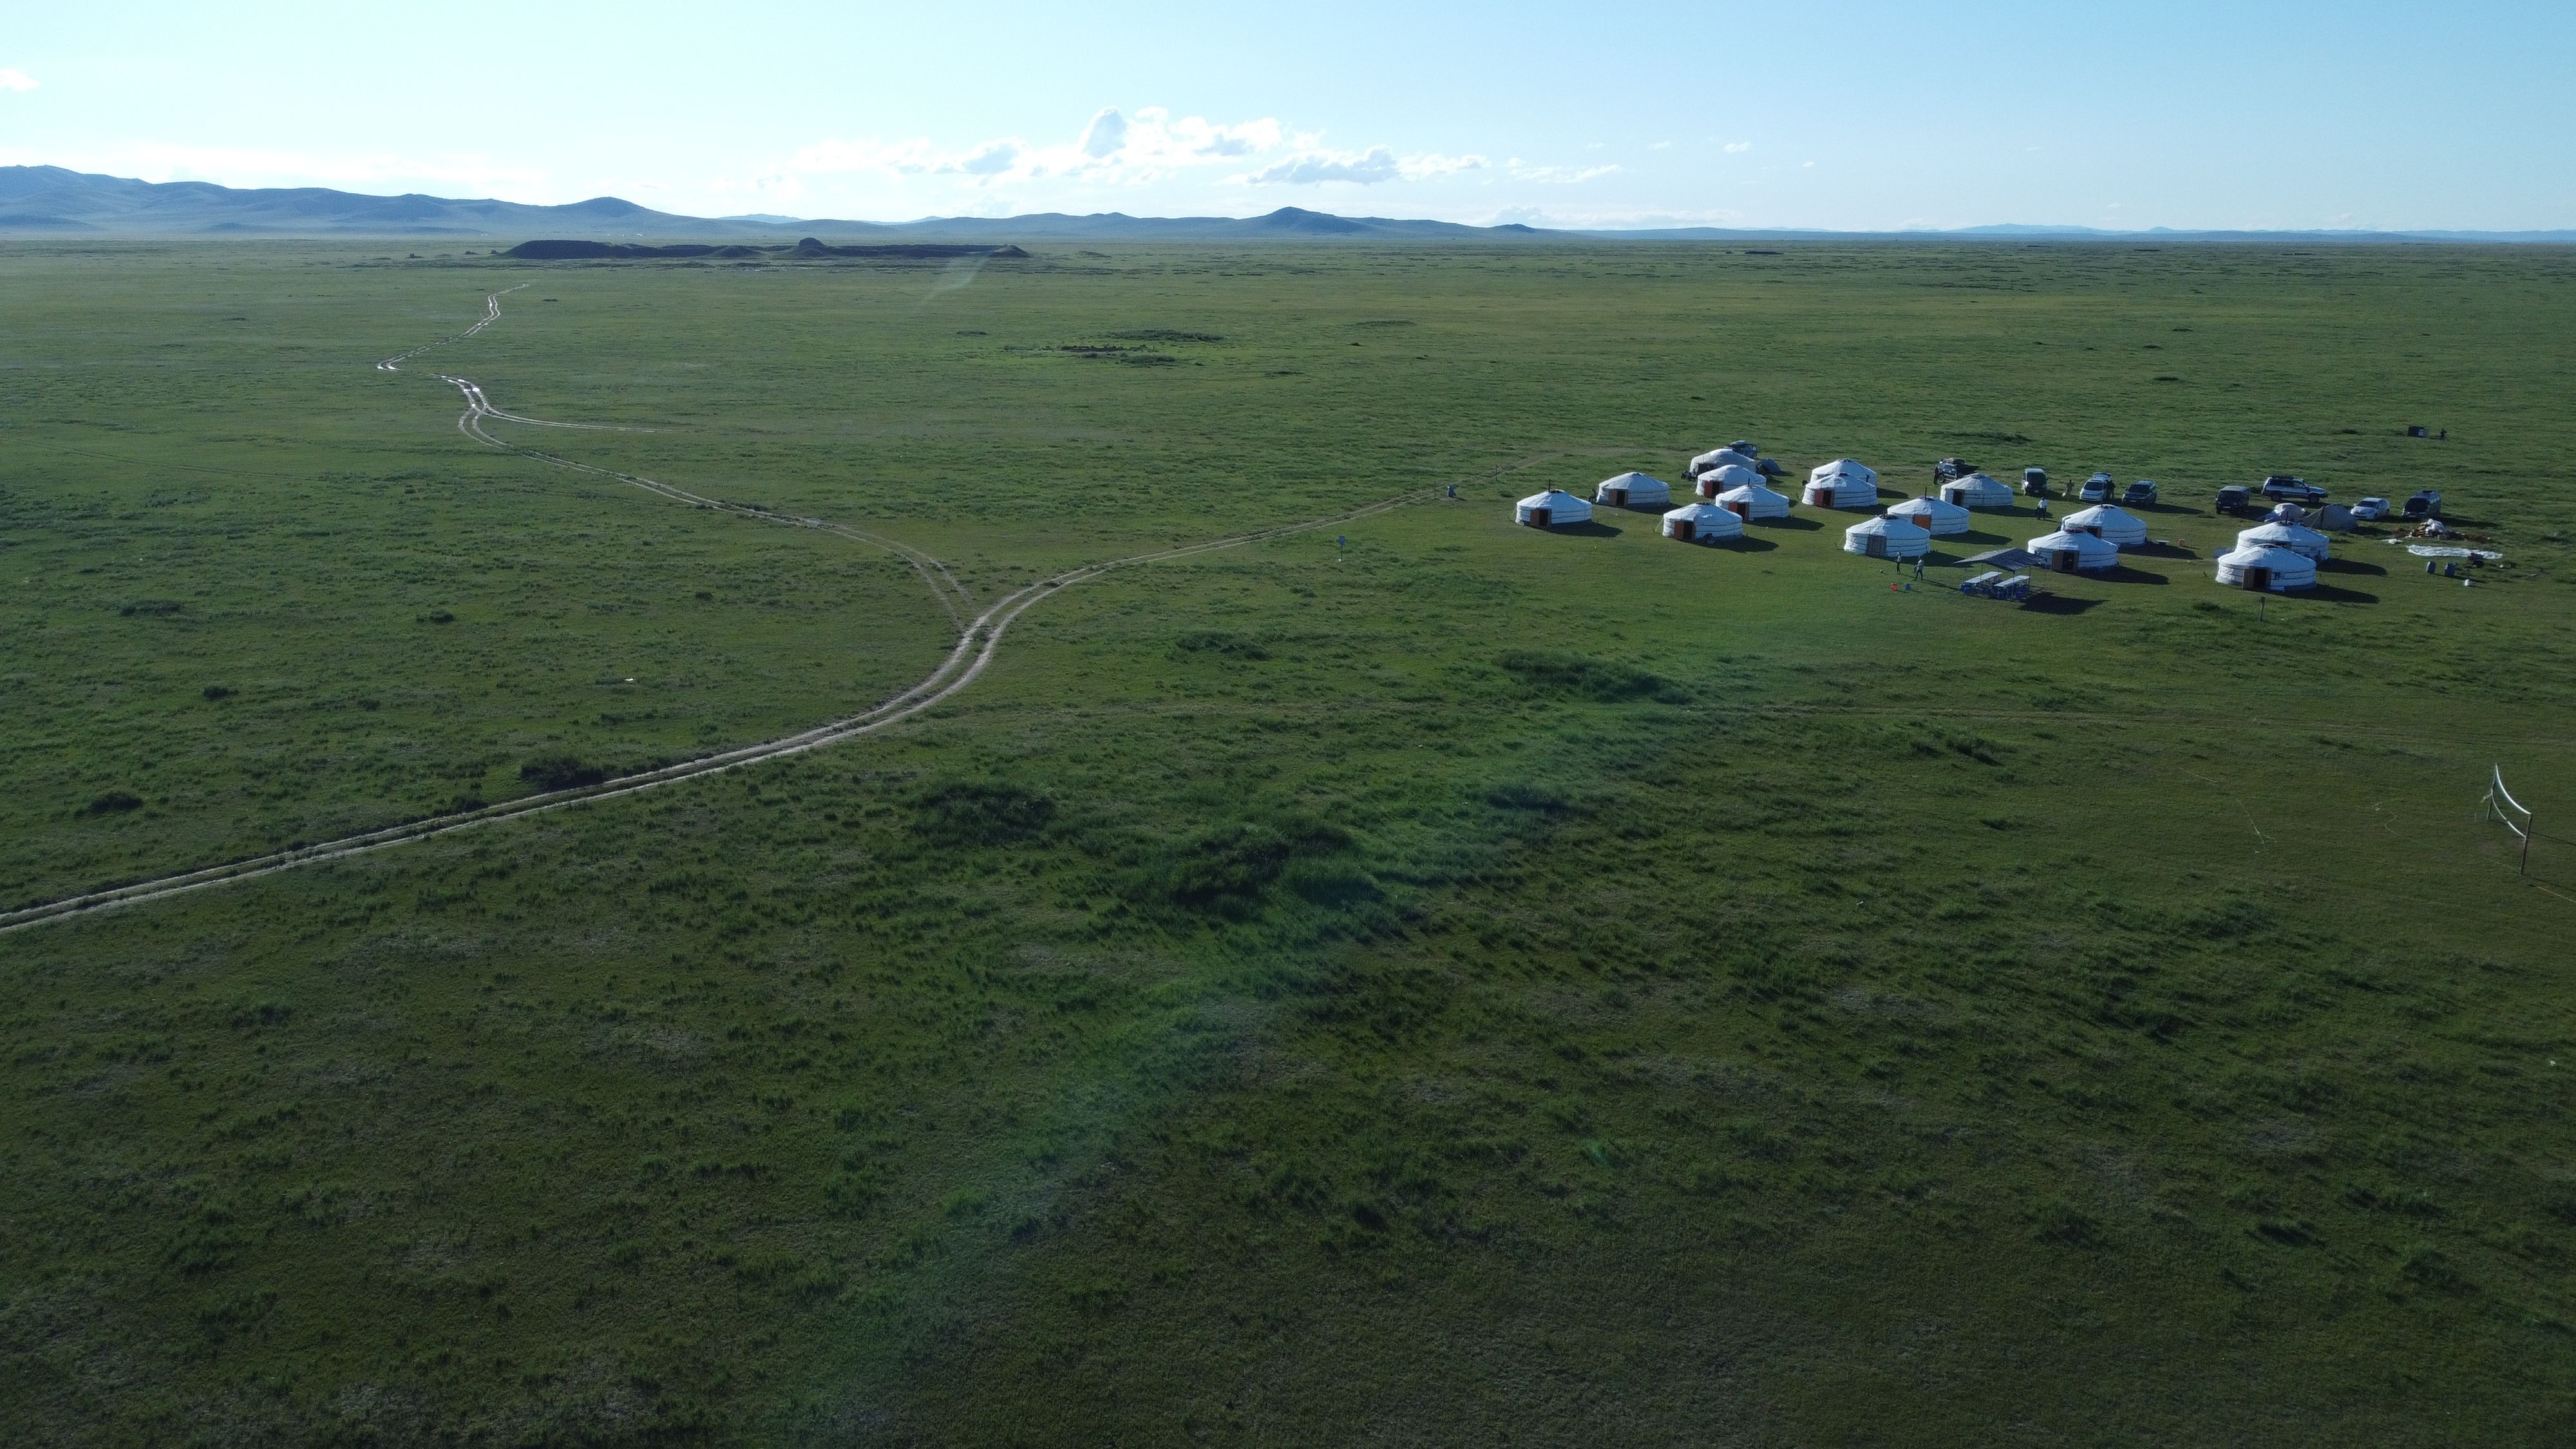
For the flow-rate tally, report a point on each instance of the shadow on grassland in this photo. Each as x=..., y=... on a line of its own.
x=2127, y=575
x=2328, y=593
x=1589, y=528
x=2350, y=566
x=1793, y=522
x=2161, y=550
x=1746, y=543
x=2057, y=604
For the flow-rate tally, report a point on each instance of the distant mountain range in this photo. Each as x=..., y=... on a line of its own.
x=48, y=201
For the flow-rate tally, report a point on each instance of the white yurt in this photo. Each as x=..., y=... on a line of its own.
x=1754, y=501
x=1932, y=515
x=1841, y=490
x=1843, y=468
x=1702, y=523
x=1633, y=490
x=2074, y=553
x=1727, y=475
x=1977, y=491
x=2307, y=543
x=1719, y=458
x=2111, y=524
x=2286, y=513
x=1553, y=509
x=1885, y=537
x=2276, y=570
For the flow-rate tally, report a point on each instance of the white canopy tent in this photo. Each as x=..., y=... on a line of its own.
x=2273, y=570
x=1843, y=468
x=1728, y=475
x=1553, y=509
x=1932, y=516
x=1702, y=523
x=2307, y=543
x=2108, y=522
x=1885, y=537
x=1841, y=490
x=1754, y=501
x=1633, y=490
x=1977, y=491
x=1720, y=458
x=2074, y=553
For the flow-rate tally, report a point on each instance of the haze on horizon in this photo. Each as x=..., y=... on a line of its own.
x=1866, y=115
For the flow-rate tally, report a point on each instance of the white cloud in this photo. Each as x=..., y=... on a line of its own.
x=1106, y=134
x=1738, y=148
x=1661, y=146
x=1151, y=145
x=1557, y=175
x=14, y=79
x=1314, y=167
x=1308, y=168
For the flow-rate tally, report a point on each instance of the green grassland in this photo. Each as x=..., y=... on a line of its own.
x=1453, y=985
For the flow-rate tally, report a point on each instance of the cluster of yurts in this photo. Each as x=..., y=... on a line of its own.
x=2277, y=555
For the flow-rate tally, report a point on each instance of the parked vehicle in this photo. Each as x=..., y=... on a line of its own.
x=2096, y=489
x=2142, y=491
x=2284, y=488
x=1951, y=470
x=2370, y=510
x=2427, y=504
x=2034, y=482
x=2235, y=499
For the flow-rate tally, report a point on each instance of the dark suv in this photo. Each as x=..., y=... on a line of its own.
x=2235, y=498
x=2282, y=488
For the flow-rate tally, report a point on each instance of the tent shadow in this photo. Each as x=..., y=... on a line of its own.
x=1801, y=525
x=1973, y=536
x=1746, y=543
x=2127, y=575
x=2329, y=593
x=2045, y=603
x=2349, y=566
x=1589, y=528
x=2160, y=550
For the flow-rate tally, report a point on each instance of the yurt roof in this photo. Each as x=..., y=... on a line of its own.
x=2282, y=535
x=2104, y=516
x=1930, y=507
x=1700, y=513
x=1733, y=475
x=1896, y=527
x=1553, y=498
x=2282, y=563
x=1632, y=480
x=1843, y=467
x=2085, y=545
x=1715, y=457
x=1752, y=493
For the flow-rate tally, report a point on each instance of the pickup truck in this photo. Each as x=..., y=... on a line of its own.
x=2282, y=488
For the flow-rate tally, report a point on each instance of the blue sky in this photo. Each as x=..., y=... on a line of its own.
x=2298, y=113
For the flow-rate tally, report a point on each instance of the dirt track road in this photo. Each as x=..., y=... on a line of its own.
x=979, y=635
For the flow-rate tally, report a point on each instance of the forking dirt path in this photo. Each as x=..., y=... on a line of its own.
x=979, y=635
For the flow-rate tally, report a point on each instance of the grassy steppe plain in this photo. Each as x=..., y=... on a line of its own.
x=1466, y=985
